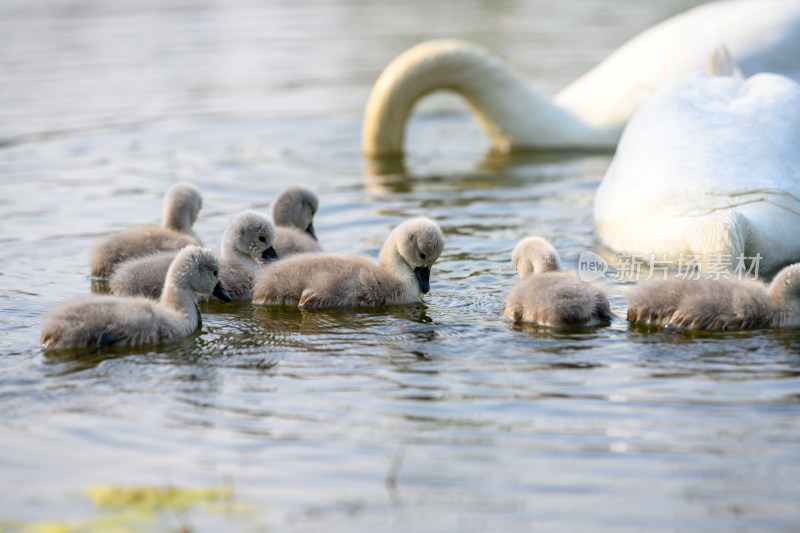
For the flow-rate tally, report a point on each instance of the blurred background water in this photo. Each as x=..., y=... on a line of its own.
x=436, y=417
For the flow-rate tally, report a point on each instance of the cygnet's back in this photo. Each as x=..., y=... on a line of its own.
x=320, y=280
x=99, y=321
x=293, y=213
x=548, y=297
x=180, y=207
x=718, y=304
x=141, y=276
x=247, y=244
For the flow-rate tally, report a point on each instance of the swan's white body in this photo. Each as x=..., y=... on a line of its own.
x=764, y=36
x=709, y=168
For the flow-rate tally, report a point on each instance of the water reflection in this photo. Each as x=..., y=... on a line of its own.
x=66, y=361
x=536, y=331
x=333, y=330
x=390, y=175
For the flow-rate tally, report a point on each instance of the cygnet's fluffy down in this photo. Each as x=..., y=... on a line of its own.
x=247, y=244
x=99, y=321
x=293, y=213
x=142, y=276
x=718, y=304
x=180, y=207
x=548, y=297
x=321, y=280
x=289, y=241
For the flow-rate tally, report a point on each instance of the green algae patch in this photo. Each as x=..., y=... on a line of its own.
x=149, y=500
x=141, y=508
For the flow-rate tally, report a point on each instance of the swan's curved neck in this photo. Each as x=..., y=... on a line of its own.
x=236, y=259
x=393, y=264
x=176, y=295
x=512, y=115
x=178, y=218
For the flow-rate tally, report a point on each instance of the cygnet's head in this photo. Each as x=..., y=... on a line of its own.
x=785, y=287
x=295, y=207
x=197, y=269
x=251, y=234
x=180, y=207
x=534, y=255
x=419, y=243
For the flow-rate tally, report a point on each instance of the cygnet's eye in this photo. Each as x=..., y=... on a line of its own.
x=422, y=255
x=262, y=239
x=216, y=273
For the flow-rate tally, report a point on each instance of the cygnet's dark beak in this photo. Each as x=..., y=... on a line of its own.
x=423, y=278
x=269, y=254
x=221, y=293
x=310, y=231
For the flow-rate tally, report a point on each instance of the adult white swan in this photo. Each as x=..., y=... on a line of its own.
x=707, y=171
x=764, y=36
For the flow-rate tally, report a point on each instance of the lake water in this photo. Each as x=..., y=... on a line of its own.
x=435, y=417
